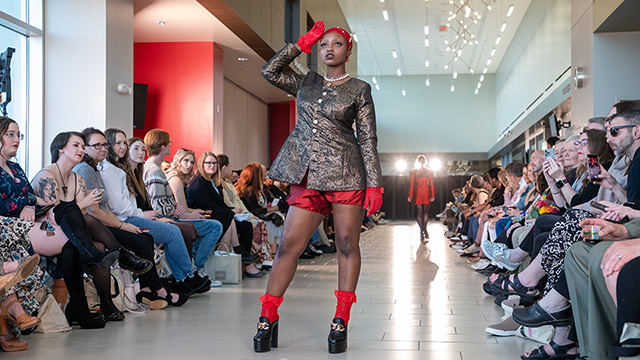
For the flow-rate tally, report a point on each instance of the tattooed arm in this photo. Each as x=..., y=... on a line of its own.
x=83, y=197
x=46, y=188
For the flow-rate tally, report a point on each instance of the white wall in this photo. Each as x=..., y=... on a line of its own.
x=582, y=56
x=546, y=56
x=88, y=50
x=434, y=119
x=246, y=127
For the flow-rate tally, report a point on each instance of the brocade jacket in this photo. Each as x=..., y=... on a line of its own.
x=323, y=144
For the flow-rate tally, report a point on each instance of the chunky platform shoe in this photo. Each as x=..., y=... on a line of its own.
x=338, y=336
x=267, y=335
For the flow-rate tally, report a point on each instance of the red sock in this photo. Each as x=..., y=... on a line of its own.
x=345, y=300
x=270, y=306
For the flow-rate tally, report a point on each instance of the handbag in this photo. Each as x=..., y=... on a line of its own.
x=276, y=218
x=53, y=319
x=224, y=266
x=125, y=291
x=542, y=334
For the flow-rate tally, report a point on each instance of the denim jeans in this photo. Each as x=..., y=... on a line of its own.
x=175, y=249
x=210, y=231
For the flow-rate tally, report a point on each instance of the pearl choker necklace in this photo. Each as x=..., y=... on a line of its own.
x=331, y=80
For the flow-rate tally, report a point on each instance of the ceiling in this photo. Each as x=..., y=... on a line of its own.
x=404, y=32
x=187, y=21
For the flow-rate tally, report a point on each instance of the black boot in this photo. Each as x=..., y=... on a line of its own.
x=338, y=336
x=74, y=226
x=109, y=309
x=77, y=312
x=130, y=261
x=267, y=335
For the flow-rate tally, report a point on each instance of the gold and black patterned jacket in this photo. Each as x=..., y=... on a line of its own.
x=323, y=144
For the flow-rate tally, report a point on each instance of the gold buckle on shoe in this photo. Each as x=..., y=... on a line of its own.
x=337, y=327
x=263, y=326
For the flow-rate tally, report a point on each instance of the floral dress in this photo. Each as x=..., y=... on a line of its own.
x=16, y=193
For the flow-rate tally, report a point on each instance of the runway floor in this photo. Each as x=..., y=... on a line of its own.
x=414, y=302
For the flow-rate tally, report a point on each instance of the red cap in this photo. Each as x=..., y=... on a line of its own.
x=343, y=33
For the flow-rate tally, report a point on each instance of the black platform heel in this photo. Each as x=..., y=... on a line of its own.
x=338, y=336
x=267, y=335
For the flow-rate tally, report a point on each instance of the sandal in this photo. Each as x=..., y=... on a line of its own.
x=527, y=293
x=23, y=321
x=25, y=268
x=10, y=345
x=182, y=299
x=560, y=350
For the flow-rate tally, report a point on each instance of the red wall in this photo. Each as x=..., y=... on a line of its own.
x=282, y=119
x=180, y=97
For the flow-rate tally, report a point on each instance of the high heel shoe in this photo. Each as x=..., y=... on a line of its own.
x=267, y=335
x=10, y=345
x=182, y=299
x=23, y=321
x=151, y=299
x=337, y=336
x=77, y=313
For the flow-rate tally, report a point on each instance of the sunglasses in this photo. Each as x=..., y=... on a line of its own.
x=581, y=143
x=614, y=129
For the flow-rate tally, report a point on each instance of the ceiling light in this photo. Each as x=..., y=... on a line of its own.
x=242, y=59
x=426, y=42
x=475, y=21
x=426, y=63
x=162, y=22
x=498, y=40
x=455, y=75
x=454, y=16
x=488, y=62
x=381, y=0
x=504, y=26
x=385, y=15
x=455, y=58
x=450, y=1
x=427, y=82
x=489, y=7
x=477, y=91
x=479, y=85
x=453, y=88
x=394, y=53
x=426, y=29
x=355, y=37
x=446, y=42
x=399, y=72
x=484, y=71
x=467, y=11
x=374, y=80
x=459, y=52
x=404, y=93
x=479, y=16
x=475, y=13
x=377, y=87
x=481, y=78
x=448, y=48
x=510, y=11
x=493, y=51
x=471, y=71
x=446, y=67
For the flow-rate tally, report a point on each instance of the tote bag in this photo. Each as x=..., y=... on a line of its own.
x=53, y=319
x=224, y=266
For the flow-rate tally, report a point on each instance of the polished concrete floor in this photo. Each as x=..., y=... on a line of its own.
x=414, y=302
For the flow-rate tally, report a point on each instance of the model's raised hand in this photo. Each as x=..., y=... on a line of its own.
x=312, y=37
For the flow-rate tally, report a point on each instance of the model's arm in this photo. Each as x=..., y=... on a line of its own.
x=274, y=72
x=367, y=138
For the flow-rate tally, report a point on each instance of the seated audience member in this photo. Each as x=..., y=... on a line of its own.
x=595, y=123
x=249, y=188
x=571, y=162
x=232, y=200
x=82, y=230
x=180, y=174
x=122, y=202
x=205, y=192
x=158, y=144
x=165, y=166
x=273, y=191
x=184, y=272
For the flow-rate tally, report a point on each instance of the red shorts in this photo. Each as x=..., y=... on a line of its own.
x=320, y=201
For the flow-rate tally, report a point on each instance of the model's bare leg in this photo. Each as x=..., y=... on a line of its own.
x=347, y=220
x=298, y=228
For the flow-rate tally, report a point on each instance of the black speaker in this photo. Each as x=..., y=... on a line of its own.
x=139, y=105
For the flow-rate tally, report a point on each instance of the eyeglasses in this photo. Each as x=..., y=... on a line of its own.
x=614, y=129
x=12, y=135
x=581, y=143
x=99, y=146
x=211, y=163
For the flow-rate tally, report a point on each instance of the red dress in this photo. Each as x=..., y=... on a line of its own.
x=422, y=189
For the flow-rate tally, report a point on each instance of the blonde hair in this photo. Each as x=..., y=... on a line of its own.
x=175, y=165
x=216, y=177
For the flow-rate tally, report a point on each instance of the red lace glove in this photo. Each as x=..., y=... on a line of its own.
x=373, y=200
x=311, y=38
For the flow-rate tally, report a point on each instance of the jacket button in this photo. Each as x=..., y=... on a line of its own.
x=314, y=131
x=315, y=121
x=320, y=101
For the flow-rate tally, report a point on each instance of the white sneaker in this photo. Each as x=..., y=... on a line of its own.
x=464, y=237
x=471, y=249
x=383, y=222
x=457, y=246
x=215, y=283
x=481, y=264
x=455, y=238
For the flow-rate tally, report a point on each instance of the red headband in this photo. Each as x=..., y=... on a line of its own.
x=343, y=33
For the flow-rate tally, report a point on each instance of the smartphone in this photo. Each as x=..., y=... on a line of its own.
x=207, y=216
x=144, y=230
x=594, y=167
x=549, y=154
x=597, y=205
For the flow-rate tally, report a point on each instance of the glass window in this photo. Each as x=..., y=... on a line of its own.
x=17, y=108
x=15, y=8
